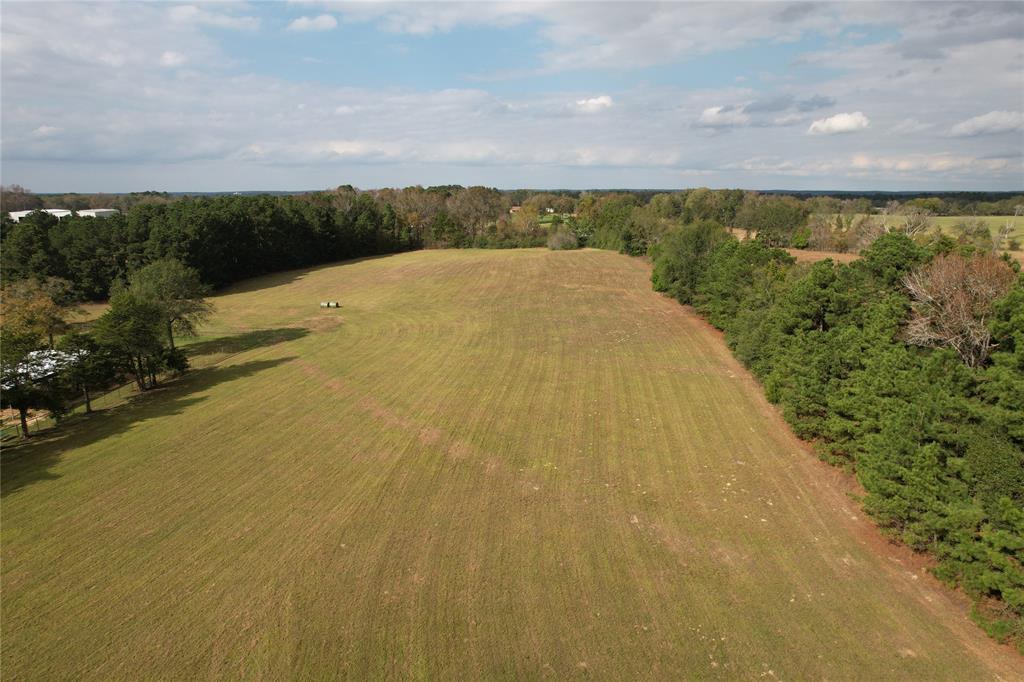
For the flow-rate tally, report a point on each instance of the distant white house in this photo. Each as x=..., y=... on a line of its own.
x=59, y=213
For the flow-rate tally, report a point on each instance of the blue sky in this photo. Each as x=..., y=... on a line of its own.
x=305, y=95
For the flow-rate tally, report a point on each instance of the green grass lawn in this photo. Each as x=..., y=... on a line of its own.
x=993, y=222
x=487, y=464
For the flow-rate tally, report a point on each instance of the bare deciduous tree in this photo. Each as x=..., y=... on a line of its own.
x=914, y=221
x=952, y=300
x=863, y=231
x=909, y=219
x=1003, y=234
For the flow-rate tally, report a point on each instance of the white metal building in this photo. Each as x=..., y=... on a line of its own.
x=98, y=212
x=59, y=213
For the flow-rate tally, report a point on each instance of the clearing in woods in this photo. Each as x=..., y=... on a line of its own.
x=487, y=464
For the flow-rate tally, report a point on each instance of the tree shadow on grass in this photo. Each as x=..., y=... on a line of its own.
x=239, y=343
x=30, y=461
x=288, y=276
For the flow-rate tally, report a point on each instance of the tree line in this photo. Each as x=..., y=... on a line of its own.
x=45, y=364
x=906, y=366
x=228, y=238
x=18, y=198
x=224, y=238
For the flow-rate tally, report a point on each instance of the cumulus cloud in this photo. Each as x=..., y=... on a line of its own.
x=877, y=165
x=770, y=104
x=774, y=110
x=935, y=163
x=323, y=22
x=190, y=14
x=761, y=164
x=786, y=102
x=723, y=117
x=618, y=35
x=632, y=35
x=172, y=59
x=422, y=18
x=68, y=125
x=992, y=123
x=787, y=119
x=594, y=104
x=840, y=123
x=909, y=126
x=815, y=102
x=45, y=131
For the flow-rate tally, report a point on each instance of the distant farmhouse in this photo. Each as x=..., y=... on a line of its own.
x=59, y=213
x=517, y=209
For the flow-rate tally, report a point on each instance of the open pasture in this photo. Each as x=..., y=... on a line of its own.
x=485, y=465
x=949, y=223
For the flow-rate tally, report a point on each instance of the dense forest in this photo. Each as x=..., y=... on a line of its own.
x=228, y=238
x=905, y=366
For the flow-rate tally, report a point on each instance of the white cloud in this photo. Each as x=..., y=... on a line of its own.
x=909, y=126
x=992, y=123
x=621, y=35
x=761, y=164
x=226, y=124
x=911, y=163
x=840, y=123
x=861, y=165
x=723, y=117
x=426, y=18
x=172, y=59
x=594, y=104
x=787, y=120
x=45, y=131
x=190, y=14
x=364, y=149
x=324, y=22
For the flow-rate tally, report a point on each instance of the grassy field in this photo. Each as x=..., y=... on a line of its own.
x=948, y=224
x=487, y=464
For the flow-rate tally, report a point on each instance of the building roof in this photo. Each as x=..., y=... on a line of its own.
x=40, y=364
x=59, y=213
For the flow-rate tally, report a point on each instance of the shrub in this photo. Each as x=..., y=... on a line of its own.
x=563, y=239
x=801, y=238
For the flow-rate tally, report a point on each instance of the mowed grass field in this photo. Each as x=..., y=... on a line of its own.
x=486, y=465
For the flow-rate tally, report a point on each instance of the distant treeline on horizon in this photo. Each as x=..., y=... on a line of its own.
x=877, y=197
x=228, y=237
